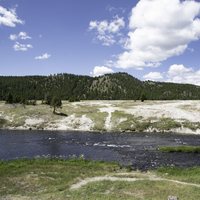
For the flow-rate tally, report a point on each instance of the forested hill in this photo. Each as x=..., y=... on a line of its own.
x=110, y=86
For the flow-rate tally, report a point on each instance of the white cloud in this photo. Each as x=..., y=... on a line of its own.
x=176, y=74
x=21, y=35
x=112, y=9
x=21, y=47
x=99, y=71
x=106, y=39
x=44, y=56
x=191, y=49
x=13, y=37
x=40, y=36
x=106, y=31
x=159, y=29
x=9, y=17
x=108, y=63
x=29, y=46
x=178, y=70
x=181, y=74
x=153, y=75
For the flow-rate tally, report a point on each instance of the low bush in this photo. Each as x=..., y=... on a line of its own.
x=2, y=122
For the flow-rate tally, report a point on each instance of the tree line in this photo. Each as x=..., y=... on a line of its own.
x=116, y=86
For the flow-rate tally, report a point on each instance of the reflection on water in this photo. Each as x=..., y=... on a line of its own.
x=138, y=149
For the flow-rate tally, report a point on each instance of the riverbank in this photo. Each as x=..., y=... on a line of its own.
x=181, y=116
x=86, y=179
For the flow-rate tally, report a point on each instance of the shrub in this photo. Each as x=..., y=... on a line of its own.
x=33, y=102
x=2, y=122
x=129, y=167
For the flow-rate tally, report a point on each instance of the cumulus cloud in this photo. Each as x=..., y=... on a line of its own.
x=153, y=76
x=175, y=70
x=182, y=74
x=44, y=56
x=106, y=39
x=13, y=37
x=99, y=71
x=105, y=31
x=176, y=74
x=21, y=47
x=21, y=35
x=9, y=17
x=159, y=29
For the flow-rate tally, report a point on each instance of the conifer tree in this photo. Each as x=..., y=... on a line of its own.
x=9, y=98
x=143, y=97
x=55, y=103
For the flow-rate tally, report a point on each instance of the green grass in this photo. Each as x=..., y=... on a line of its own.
x=166, y=124
x=129, y=123
x=126, y=124
x=3, y=122
x=98, y=119
x=191, y=125
x=51, y=178
x=184, y=149
x=190, y=175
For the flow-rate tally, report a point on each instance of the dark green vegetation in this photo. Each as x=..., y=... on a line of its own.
x=55, y=103
x=50, y=178
x=184, y=149
x=143, y=97
x=18, y=99
x=2, y=122
x=110, y=86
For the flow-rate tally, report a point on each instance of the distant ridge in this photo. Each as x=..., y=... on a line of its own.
x=116, y=86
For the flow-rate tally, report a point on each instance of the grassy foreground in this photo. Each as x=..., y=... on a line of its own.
x=52, y=179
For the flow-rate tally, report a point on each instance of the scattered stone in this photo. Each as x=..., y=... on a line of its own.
x=32, y=175
x=172, y=198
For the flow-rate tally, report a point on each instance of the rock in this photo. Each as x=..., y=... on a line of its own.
x=172, y=198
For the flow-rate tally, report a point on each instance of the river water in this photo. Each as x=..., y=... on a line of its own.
x=137, y=149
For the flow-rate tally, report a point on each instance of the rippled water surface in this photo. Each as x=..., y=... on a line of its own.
x=137, y=149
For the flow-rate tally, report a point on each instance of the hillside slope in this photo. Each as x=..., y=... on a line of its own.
x=117, y=86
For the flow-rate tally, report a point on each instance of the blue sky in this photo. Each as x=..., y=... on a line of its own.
x=149, y=39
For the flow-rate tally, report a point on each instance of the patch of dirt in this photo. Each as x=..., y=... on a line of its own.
x=33, y=121
x=73, y=123
x=111, y=178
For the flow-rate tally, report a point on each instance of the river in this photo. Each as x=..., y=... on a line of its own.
x=137, y=149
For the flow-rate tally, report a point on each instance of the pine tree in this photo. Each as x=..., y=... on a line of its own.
x=9, y=98
x=55, y=103
x=143, y=97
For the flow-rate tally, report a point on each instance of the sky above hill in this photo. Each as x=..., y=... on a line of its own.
x=149, y=39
